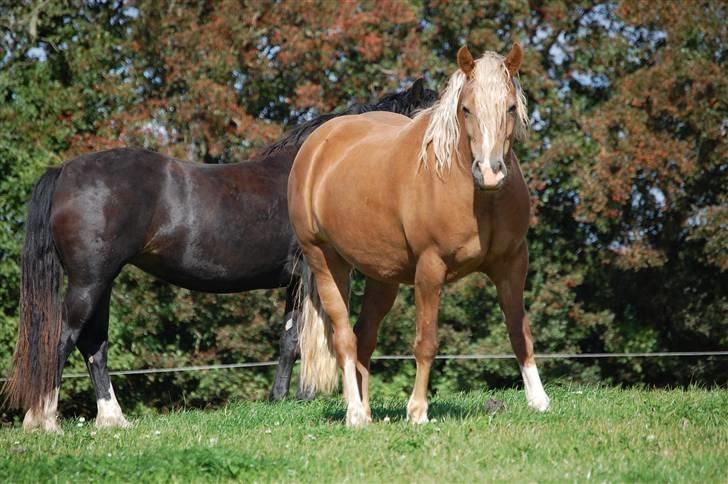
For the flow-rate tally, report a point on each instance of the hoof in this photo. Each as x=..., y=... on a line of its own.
x=107, y=422
x=418, y=419
x=357, y=417
x=540, y=403
x=305, y=395
x=48, y=424
x=417, y=412
x=276, y=396
x=368, y=412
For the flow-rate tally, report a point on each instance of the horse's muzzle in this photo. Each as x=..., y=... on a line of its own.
x=488, y=179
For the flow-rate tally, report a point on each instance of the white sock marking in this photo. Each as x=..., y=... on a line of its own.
x=535, y=394
x=109, y=412
x=47, y=419
x=355, y=414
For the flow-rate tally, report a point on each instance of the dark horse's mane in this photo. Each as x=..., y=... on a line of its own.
x=398, y=102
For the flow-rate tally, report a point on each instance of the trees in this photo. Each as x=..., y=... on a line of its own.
x=626, y=162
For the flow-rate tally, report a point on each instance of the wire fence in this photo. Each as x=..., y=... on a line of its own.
x=543, y=356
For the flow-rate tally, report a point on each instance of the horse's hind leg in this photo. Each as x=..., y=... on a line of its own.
x=378, y=300
x=93, y=343
x=332, y=281
x=79, y=305
x=288, y=347
x=510, y=279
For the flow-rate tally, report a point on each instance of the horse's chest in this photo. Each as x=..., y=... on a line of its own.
x=471, y=251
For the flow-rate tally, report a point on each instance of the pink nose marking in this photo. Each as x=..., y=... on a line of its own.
x=491, y=179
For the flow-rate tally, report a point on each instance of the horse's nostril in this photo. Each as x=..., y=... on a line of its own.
x=497, y=168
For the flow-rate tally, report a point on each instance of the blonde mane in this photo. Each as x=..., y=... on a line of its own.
x=491, y=84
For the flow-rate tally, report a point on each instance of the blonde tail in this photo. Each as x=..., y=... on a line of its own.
x=319, y=371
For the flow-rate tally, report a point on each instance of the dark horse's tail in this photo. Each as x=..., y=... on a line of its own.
x=35, y=362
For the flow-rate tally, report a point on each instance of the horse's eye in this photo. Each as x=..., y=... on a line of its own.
x=466, y=111
x=512, y=109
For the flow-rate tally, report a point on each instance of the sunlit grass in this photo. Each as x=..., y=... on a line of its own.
x=603, y=434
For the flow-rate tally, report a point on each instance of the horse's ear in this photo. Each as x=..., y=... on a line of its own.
x=465, y=60
x=417, y=90
x=514, y=59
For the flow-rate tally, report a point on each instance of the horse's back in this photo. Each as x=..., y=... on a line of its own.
x=216, y=228
x=386, y=118
x=119, y=171
x=371, y=127
x=371, y=135
x=350, y=171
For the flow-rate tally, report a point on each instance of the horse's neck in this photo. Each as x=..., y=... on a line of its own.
x=415, y=134
x=458, y=178
x=461, y=158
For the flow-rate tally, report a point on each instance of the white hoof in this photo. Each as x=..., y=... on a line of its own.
x=417, y=412
x=356, y=417
x=540, y=402
x=418, y=420
x=112, y=421
x=48, y=424
x=109, y=414
x=46, y=419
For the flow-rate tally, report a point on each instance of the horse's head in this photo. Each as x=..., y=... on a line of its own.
x=480, y=113
x=492, y=110
x=419, y=97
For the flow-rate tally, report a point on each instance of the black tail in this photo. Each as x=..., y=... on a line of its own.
x=35, y=362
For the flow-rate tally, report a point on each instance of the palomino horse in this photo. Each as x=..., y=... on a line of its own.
x=424, y=202
x=212, y=228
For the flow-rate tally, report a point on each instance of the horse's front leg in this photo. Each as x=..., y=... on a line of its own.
x=429, y=278
x=510, y=279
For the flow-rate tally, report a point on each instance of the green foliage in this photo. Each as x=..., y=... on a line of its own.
x=625, y=160
x=609, y=435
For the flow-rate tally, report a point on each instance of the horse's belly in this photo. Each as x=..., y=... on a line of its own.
x=386, y=268
x=384, y=261
x=212, y=274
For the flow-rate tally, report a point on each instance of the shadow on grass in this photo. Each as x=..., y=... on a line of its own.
x=397, y=411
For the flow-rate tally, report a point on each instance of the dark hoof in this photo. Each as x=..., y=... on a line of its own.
x=277, y=396
x=305, y=396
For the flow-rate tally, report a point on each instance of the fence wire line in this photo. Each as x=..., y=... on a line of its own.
x=543, y=356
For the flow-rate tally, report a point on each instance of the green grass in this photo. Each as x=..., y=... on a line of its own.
x=602, y=434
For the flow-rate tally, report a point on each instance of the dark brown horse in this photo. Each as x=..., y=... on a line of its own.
x=212, y=228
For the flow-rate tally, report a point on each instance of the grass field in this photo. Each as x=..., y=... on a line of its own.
x=600, y=434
